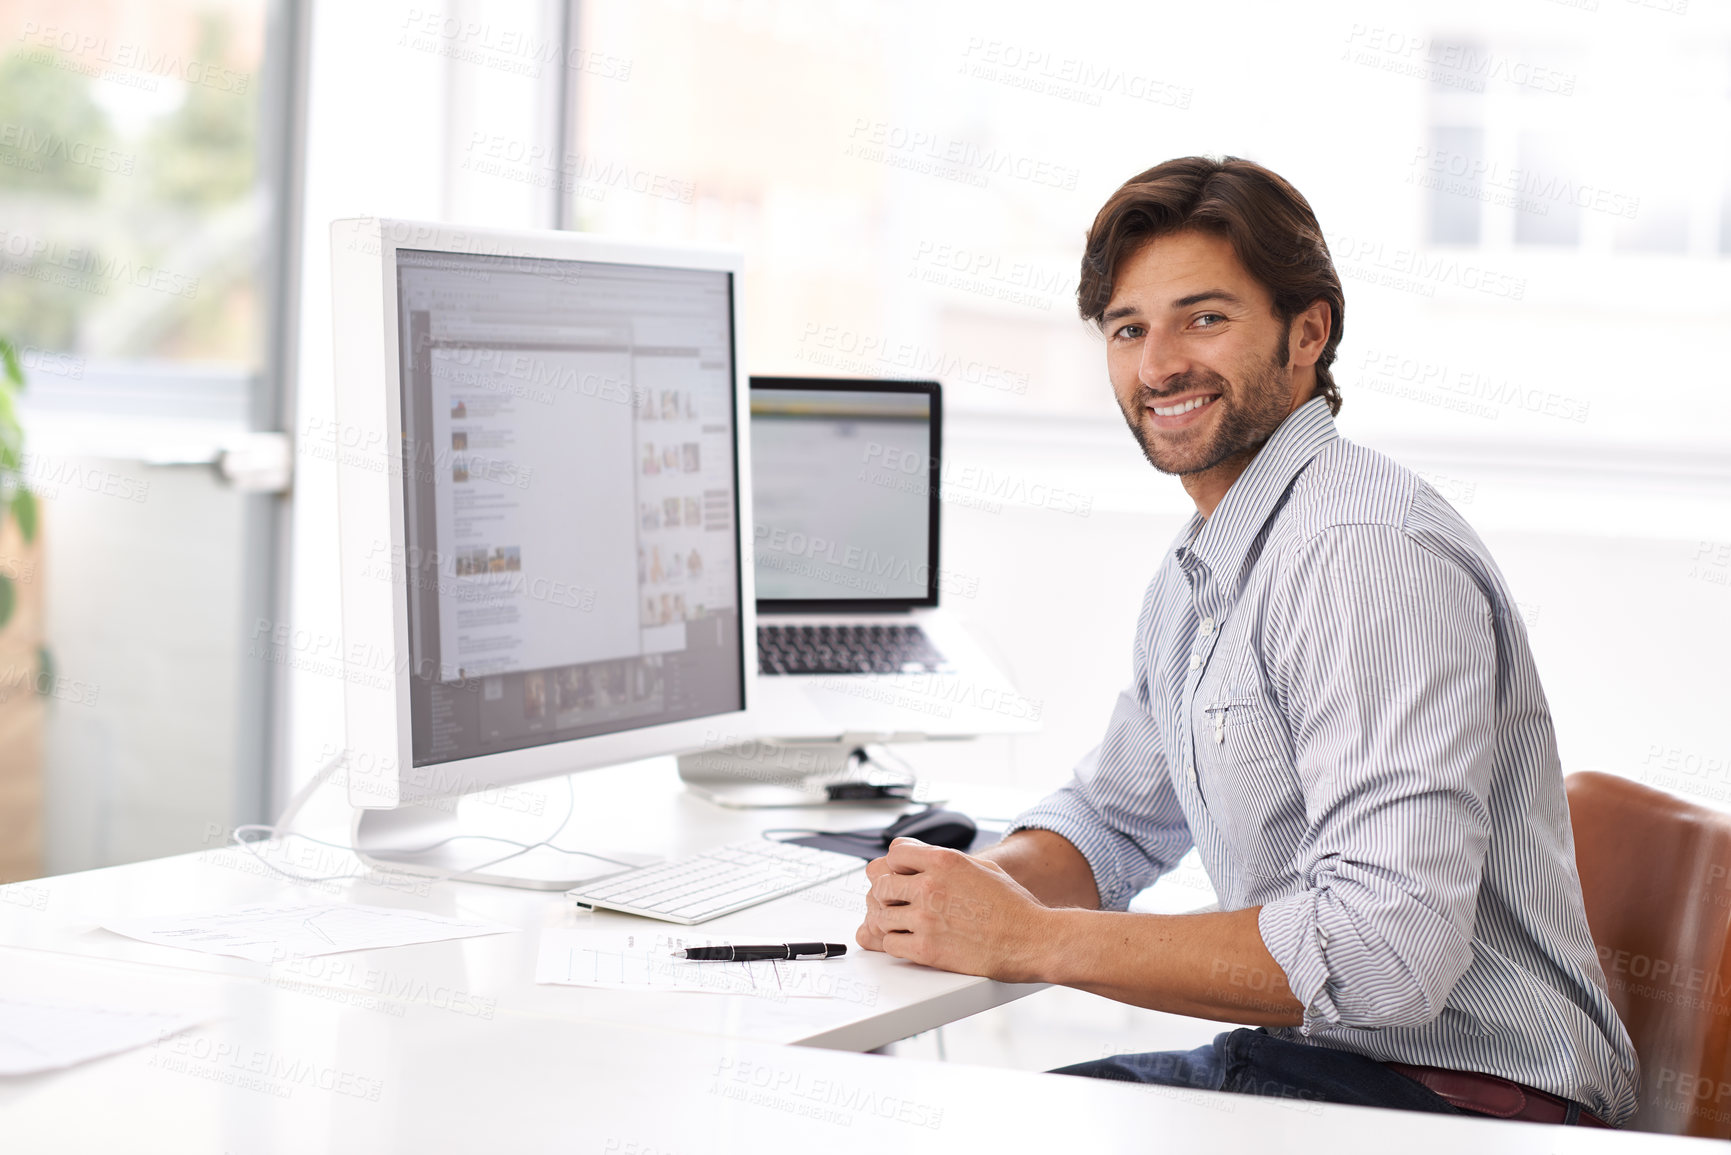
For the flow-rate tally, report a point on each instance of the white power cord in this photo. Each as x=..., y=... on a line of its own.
x=280, y=830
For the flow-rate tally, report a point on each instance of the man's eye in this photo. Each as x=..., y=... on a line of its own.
x=1207, y=320
x=1129, y=332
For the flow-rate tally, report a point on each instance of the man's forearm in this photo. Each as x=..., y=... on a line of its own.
x=1049, y=865
x=1026, y=911
x=1211, y=966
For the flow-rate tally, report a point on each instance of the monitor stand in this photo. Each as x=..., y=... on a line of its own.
x=384, y=840
x=762, y=774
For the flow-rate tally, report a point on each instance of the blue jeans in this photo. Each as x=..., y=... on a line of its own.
x=1254, y=1062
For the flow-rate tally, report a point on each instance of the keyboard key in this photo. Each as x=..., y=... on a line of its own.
x=846, y=649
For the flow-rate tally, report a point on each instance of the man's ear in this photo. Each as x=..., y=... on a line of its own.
x=1308, y=334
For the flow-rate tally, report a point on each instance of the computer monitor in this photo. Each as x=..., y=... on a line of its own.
x=845, y=493
x=541, y=509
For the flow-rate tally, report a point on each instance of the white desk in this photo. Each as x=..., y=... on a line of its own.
x=642, y=808
x=282, y=1073
x=451, y=1047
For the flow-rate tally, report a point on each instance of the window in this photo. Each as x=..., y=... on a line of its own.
x=141, y=178
x=129, y=187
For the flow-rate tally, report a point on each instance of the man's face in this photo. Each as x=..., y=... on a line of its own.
x=1197, y=356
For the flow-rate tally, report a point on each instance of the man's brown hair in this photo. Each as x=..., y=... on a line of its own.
x=1267, y=222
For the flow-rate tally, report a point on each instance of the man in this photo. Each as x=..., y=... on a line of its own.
x=1334, y=702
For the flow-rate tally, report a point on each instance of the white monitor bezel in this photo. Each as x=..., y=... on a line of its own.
x=366, y=367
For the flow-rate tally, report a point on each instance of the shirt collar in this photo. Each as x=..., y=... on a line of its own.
x=1221, y=541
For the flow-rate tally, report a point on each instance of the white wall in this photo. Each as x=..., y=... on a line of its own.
x=1612, y=531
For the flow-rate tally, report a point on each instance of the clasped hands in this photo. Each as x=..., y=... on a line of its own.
x=955, y=912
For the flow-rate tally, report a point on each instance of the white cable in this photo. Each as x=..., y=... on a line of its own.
x=879, y=754
x=279, y=831
x=307, y=791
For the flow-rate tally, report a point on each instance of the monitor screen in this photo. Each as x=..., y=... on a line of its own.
x=570, y=499
x=843, y=493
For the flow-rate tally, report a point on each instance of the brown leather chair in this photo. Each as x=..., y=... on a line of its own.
x=1656, y=879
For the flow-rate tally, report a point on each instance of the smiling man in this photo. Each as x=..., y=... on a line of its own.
x=1333, y=701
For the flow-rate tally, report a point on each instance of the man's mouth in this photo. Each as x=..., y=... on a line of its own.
x=1179, y=408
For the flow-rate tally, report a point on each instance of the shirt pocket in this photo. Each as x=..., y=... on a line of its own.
x=1246, y=777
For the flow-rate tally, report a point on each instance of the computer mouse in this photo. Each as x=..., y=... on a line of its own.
x=949, y=828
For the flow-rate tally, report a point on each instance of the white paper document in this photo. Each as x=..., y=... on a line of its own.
x=270, y=932
x=642, y=961
x=44, y=1035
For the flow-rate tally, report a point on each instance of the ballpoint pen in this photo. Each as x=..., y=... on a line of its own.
x=783, y=950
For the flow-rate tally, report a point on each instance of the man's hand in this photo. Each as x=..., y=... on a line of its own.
x=948, y=910
x=967, y=914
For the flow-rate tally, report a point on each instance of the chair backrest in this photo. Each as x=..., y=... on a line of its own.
x=1656, y=880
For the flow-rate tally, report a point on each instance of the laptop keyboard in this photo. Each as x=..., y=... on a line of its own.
x=885, y=648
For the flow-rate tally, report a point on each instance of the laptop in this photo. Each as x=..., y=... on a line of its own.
x=853, y=644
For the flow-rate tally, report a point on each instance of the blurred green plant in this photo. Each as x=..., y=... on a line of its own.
x=202, y=153
x=51, y=132
x=15, y=495
x=52, y=126
x=40, y=310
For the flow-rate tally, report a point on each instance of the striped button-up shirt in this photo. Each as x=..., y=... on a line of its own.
x=1334, y=701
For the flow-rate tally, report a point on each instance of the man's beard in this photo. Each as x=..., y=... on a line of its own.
x=1250, y=412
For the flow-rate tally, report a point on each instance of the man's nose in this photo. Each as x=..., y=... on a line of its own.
x=1161, y=361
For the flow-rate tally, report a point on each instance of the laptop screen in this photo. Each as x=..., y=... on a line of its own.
x=844, y=493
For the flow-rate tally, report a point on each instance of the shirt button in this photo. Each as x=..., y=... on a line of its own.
x=1207, y=626
x=1195, y=661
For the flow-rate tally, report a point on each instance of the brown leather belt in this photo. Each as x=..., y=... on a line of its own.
x=1498, y=1097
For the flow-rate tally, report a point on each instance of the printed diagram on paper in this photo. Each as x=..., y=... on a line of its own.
x=642, y=961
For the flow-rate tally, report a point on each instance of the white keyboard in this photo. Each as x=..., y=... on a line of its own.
x=717, y=882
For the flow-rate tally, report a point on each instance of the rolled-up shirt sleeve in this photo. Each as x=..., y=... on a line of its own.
x=1119, y=808
x=1391, y=704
